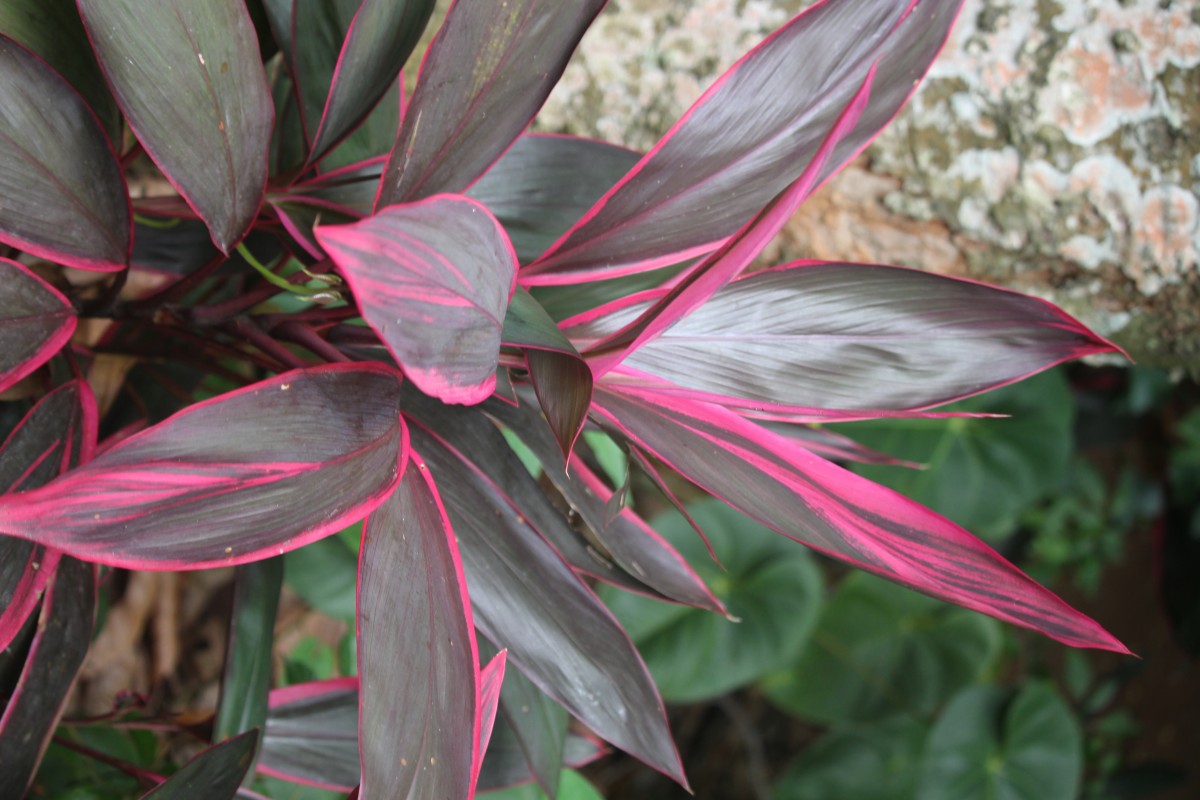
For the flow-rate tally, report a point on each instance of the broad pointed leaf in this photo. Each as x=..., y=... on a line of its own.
x=486, y=74
x=311, y=736
x=35, y=321
x=560, y=376
x=191, y=73
x=252, y=473
x=378, y=42
x=59, y=646
x=52, y=30
x=419, y=700
x=62, y=194
x=491, y=678
x=864, y=762
x=853, y=336
x=215, y=774
x=433, y=280
x=544, y=183
x=809, y=499
x=556, y=631
x=56, y=435
x=751, y=134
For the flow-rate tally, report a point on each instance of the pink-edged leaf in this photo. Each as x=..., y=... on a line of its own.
x=633, y=544
x=526, y=599
x=751, y=134
x=544, y=183
x=378, y=42
x=35, y=322
x=215, y=774
x=246, y=475
x=433, y=280
x=419, y=696
x=484, y=77
x=311, y=735
x=506, y=764
x=813, y=501
x=52, y=30
x=491, y=678
x=57, y=434
x=651, y=471
x=191, y=73
x=560, y=376
x=852, y=336
x=62, y=192
x=696, y=287
x=481, y=448
x=834, y=446
x=59, y=646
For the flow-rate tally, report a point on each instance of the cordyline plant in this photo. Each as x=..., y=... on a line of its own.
x=356, y=295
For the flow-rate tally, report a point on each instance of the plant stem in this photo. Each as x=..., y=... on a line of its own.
x=307, y=337
x=143, y=776
x=256, y=336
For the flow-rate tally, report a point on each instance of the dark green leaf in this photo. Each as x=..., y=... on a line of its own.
x=880, y=649
x=989, y=745
x=770, y=585
x=215, y=774
x=868, y=762
x=324, y=574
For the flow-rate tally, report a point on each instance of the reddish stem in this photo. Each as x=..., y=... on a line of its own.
x=143, y=776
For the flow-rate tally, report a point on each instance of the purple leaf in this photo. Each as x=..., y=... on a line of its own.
x=526, y=599
x=732, y=152
x=52, y=30
x=486, y=74
x=491, y=678
x=529, y=739
x=544, y=183
x=696, y=287
x=857, y=337
x=311, y=735
x=215, y=774
x=238, y=478
x=378, y=42
x=206, y=88
x=59, y=646
x=418, y=662
x=633, y=544
x=838, y=513
x=35, y=322
x=57, y=434
x=433, y=280
x=62, y=193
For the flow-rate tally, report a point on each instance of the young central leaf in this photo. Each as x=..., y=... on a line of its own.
x=433, y=279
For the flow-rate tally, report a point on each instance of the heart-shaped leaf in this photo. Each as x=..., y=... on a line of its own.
x=248, y=474
x=417, y=658
x=433, y=280
x=868, y=762
x=215, y=774
x=486, y=74
x=64, y=631
x=62, y=193
x=881, y=649
x=770, y=585
x=191, y=72
x=731, y=152
x=35, y=322
x=988, y=744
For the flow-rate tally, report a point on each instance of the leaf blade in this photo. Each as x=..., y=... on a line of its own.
x=217, y=100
